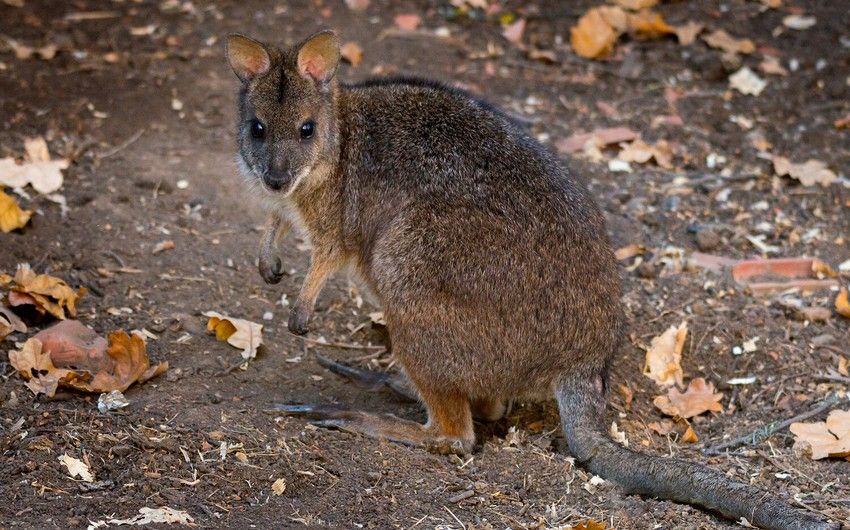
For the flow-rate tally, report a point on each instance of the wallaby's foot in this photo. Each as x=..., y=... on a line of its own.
x=371, y=380
x=299, y=316
x=271, y=269
x=449, y=428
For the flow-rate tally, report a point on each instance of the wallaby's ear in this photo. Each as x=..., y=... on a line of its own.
x=318, y=56
x=247, y=57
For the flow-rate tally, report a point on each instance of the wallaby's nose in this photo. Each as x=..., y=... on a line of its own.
x=277, y=180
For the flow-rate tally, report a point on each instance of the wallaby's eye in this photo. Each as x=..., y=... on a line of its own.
x=307, y=129
x=258, y=130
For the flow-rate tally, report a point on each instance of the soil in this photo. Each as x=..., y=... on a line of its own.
x=143, y=99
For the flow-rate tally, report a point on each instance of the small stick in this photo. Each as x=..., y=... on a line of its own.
x=833, y=377
x=758, y=436
x=123, y=145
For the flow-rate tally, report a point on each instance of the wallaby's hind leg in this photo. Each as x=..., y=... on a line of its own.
x=449, y=428
x=488, y=409
x=371, y=380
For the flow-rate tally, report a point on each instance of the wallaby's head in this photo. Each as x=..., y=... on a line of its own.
x=287, y=110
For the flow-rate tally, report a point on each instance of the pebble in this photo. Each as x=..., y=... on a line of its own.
x=707, y=240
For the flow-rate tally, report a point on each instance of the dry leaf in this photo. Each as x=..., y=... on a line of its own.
x=664, y=357
x=688, y=32
x=617, y=435
x=599, y=138
x=12, y=217
x=636, y=5
x=641, y=152
x=809, y=173
x=513, y=31
x=771, y=65
x=647, y=24
x=239, y=333
x=593, y=37
x=279, y=486
x=628, y=395
x=351, y=52
x=46, y=293
x=799, y=22
x=9, y=322
x=824, y=439
x=629, y=251
x=22, y=51
x=723, y=41
x=747, y=82
x=407, y=22
x=162, y=246
x=72, y=355
x=357, y=5
x=842, y=304
x=148, y=516
x=39, y=171
x=689, y=436
x=590, y=524
x=76, y=468
x=843, y=122
x=698, y=398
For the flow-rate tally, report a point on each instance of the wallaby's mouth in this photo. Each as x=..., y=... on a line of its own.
x=277, y=181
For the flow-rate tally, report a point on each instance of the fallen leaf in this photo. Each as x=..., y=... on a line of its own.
x=357, y=5
x=824, y=439
x=351, y=52
x=39, y=171
x=647, y=24
x=23, y=52
x=664, y=427
x=237, y=332
x=9, y=322
x=843, y=123
x=687, y=33
x=641, y=152
x=599, y=137
x=629, y=251
x=46, y=293
x=664, y=356
x=628, y=395
x=513, y=31
x=842, y=304
x=689, y=436
x=162, y=246
x=697, y=399
x=590, y=524
x=593, y=37
x=73, y=355
x=636, y=5
x=407, y=22
x=148, y=516
x=76, y=468
x=617, y=435
x=723, y=41
x=809, y=173
x=799, y=22
x=12, y=217
x=747, y=82
x=279, y=486
x=771, y=65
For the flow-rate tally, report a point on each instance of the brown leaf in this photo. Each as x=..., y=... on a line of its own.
x=689, y=436
x=513, y=31
x=771, y=65
x=243, y=334
x=723, y=41
x=636, y=5
x=9, y=322
x=664, y=356
x=647, y=24
x=629, y=251
x=352, y=53
x=407, y=22
x=599, y=137
x=357, y=5
x=12, y=217
x=593, y=37
x=809, y=173
x=829, y=439
x=688, y=32
x=842, y=304
x=590, y=524
x=46, y=293
x=73, y=355
x=162, y=246
x=699, y=397
x=641, y=152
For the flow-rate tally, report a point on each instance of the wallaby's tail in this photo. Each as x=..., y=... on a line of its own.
x=582, y=405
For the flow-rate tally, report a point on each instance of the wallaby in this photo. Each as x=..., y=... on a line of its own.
x=490, y=261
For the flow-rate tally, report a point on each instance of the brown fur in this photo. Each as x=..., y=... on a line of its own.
x=490, y=261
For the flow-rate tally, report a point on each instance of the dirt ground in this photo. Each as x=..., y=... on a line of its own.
x=143, y=99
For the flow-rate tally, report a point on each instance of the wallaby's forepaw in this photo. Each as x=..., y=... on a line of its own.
x=298, y=318
x=449, y=446
x=271, y=269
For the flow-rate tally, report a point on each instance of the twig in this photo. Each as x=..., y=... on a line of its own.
x=758, y=436
x=341, y=345
x=123, y=145
x=231, y=368
x=831, y=377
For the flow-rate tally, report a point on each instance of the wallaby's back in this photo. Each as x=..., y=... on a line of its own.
x=468, y=220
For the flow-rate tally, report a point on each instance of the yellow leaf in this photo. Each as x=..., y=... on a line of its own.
x=647, y=24
x=664, y=356
x=690, y=436
x=46, y=293
x=842, y=304
x=700, y=397
x=11, y=215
